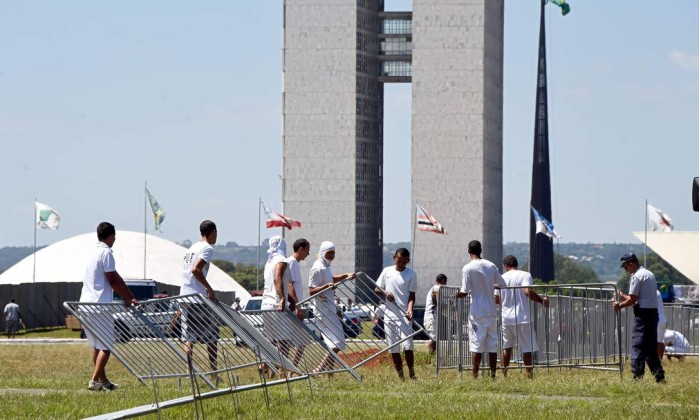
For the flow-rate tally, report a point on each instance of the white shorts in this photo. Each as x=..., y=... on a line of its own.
x=397, y=330
x=428, y=323
x=522, y=335
x=104, y=337
x=662, y=327
x=482, y=335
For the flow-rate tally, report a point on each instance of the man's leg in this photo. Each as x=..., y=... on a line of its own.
x=661, y=350
x=410, y=361
x=638, y=361
x=650, y=349
x=476, y=358
x=99, y=374
x=505, y=362
x=213, y=354
x=528, y=362
x=493, y=362
x=398, y=364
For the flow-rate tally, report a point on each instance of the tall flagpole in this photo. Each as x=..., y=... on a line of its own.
x=34, y=269
x=145, y=225
x=645, y=241
x=259, y=229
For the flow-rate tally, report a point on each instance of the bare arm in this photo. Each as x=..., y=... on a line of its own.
x=198, y=273
x=628, y=300
x=279, y=283
x=120, y=287
x=411, y=304
x=532, y=295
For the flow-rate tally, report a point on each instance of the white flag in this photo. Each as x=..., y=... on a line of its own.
x=46, y=217
x=544, y=226
x=658, y=220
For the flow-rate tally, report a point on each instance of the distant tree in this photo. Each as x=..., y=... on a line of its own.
x=662, y=270
x=244, y=274
x=231, y=244
x=224, y=265
x=568, y=271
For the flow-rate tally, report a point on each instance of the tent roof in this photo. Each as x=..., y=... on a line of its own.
x=65, y=260
x=679, y=249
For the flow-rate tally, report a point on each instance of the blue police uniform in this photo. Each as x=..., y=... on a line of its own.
x=645, y=325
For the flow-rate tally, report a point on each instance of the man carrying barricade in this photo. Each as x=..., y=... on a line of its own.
x=479, y=278
x=516, y=319
x=642, y=297
x=274, y=297
x=399, y=283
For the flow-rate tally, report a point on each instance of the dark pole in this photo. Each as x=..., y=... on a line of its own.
x=541, y=246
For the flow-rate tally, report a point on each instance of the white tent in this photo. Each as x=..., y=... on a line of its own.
x=65, y=261
x=679, y=249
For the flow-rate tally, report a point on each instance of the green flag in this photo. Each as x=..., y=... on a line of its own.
x=158, y=212
x=46, y=217
x=565, y=7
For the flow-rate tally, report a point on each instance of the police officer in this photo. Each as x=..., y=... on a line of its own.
x=642, y=297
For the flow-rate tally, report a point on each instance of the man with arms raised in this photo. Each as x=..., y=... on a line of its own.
x=99, y=281
x=479, y=278
x=399, y=283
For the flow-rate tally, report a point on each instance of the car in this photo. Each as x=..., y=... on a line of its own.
x=351, y=325
x=362, y=311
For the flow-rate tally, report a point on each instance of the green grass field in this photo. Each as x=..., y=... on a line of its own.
x=49, y=381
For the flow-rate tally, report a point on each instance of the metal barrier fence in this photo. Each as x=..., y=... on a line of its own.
x=685, y=320
x=579, y=329
x=349, y=330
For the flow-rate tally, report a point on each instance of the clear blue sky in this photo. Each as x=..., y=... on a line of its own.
x=98, y=97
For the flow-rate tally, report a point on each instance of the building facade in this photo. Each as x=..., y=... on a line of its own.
x=337, y=55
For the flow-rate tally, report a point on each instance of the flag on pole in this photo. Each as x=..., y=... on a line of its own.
x=658, y=220
x=275, y=219
x=158, y=212
x=544, y=226
x=426, y=222
x=46, y=217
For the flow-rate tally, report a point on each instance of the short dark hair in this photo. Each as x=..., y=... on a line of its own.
x=402, y=252
x=441, y=278
x=105, y=230
x=207, y=227
x=475, y=248
x=301, y=243
x=12, y=300
x=510, y=261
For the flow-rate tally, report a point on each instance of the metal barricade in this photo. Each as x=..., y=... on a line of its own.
x=684, y=319
x=579, y=329
x=350, y=331
x=151, y=339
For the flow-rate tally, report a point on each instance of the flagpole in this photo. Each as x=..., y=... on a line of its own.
x=34, y=269
x=145, y=225
x=412, y=240
x=645, y=241
x=259, y=229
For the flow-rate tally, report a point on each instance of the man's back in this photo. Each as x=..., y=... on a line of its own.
x=11, y=312
x=479, y=278
x=514, y=303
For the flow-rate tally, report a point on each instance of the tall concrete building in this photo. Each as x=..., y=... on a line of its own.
x=337, y=54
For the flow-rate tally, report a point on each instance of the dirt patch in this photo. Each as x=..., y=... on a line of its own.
x=355, y=357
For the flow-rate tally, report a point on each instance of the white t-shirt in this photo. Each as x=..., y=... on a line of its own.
x=400, y=284
x=269, y=295
x=200, y=250
x=677, y=341
x=430, y=302
x=661, y=309
x=294, y=270
x=478, y=279
x=96, y=288
x=11, y=312
x=514, y=303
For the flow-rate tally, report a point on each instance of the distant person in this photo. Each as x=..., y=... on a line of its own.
x=12, y=318
x=198, y=323
x=675, y=343
x=642, y=296
x=236, y=305
x=662, y=325
x=99, y=280
x=379, y=330
x=479, y=278
x=399, y=284
x=430, y=309
x=321, y=285
x=516, y=319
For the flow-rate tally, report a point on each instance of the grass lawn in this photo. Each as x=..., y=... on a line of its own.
x=49, y=333
x=49, y=381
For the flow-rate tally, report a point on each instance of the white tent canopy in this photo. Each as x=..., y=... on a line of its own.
x=65, y=261
x=679, y=249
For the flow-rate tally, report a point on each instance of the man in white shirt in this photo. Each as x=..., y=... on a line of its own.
x=516, y=318
x=430, y=308
x=198, y=324
x=99, y=281
x=301, y=250
x=12, y=318
x=399, y=283
x=479, y=279
x=675, y=342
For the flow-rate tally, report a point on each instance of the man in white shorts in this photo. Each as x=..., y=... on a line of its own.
x=430, y=308
x=99, y=281
x=301, y=250
x=274, y=296
x=399, y=283
x=479, y=278
x=516, y=317
x=198, y=323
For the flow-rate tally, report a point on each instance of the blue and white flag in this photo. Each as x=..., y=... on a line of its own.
x=544, y=226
